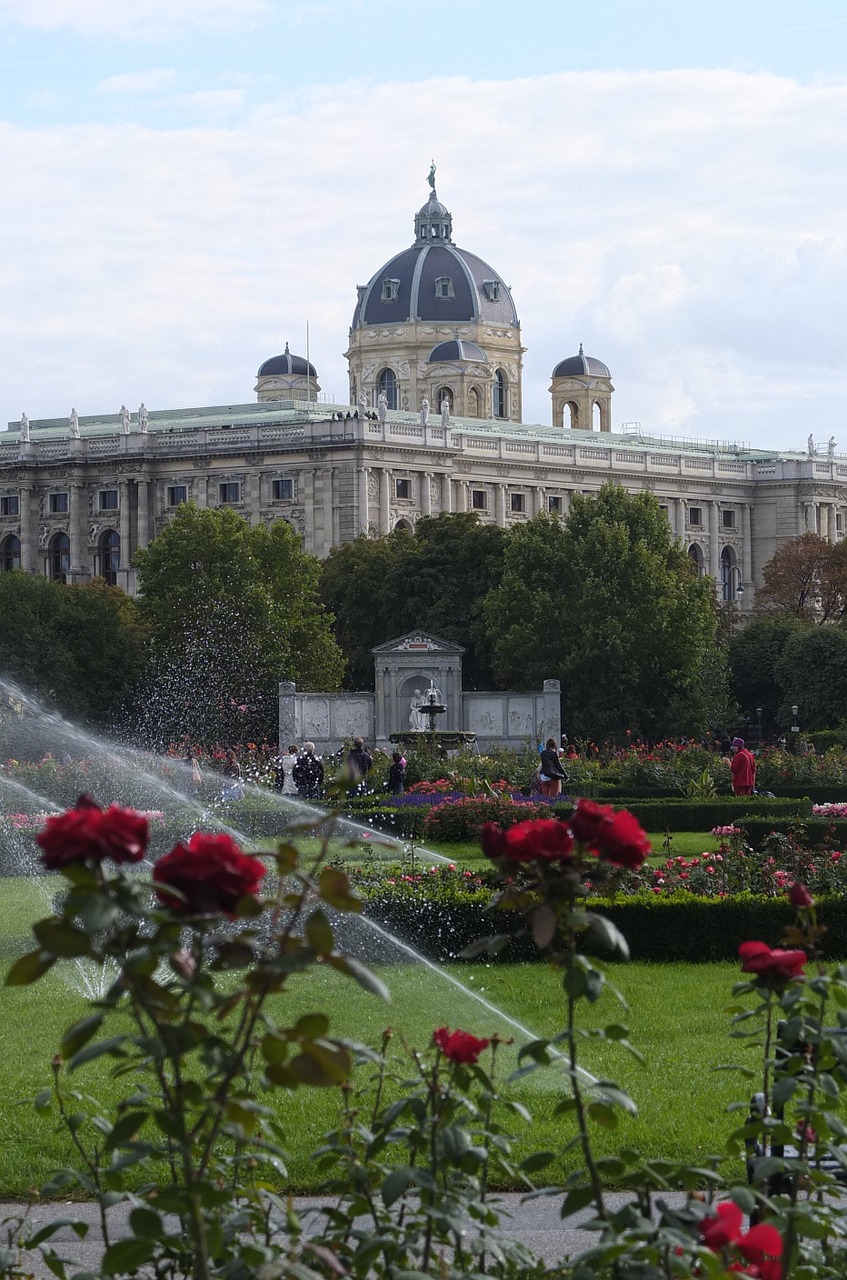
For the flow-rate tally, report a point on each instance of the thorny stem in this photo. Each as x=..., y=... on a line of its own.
x=92, y=1164
x=584, y=1136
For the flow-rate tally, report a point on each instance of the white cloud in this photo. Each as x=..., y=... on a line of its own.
x=133, y=19
x=686, y=226
x=137, y=82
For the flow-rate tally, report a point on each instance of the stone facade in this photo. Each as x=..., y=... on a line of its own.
x=80, y=495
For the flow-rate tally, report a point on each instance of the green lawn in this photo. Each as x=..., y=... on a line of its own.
x=678, y=1021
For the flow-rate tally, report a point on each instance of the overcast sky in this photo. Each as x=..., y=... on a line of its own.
x=188, y=182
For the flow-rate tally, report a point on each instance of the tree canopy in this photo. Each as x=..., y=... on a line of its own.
x=232, y=608
x=754, y=659
x=78, y=648
x=609, y=603
x=807, y=578
x=435, y=581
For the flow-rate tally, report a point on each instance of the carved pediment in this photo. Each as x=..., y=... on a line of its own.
x=418, y=642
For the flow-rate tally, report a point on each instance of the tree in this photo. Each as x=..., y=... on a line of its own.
x=812, y=672
x=80, y=649
x=233, y=609
x=754, y=653
x=435, y=581
x=806, y=577
x=607, y=602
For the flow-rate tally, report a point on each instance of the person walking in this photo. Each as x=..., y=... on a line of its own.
x=550, y=770
x=308, y=774
x=743, y=769
x=359, y=764
x=284, y=780
x=234, y=784
x=397, y=774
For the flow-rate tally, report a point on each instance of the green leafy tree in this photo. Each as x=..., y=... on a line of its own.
x=607, y=602
x=806, y=578
x=754, y=653
x=233, y=608
x=435, y=581
x=812, y=672
x=78, y=648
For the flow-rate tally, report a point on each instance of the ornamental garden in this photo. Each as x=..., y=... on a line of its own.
x=412, y=1003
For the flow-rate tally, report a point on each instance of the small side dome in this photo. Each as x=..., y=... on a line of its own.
x=287, y=364
x=579, y=365
x=456, y=349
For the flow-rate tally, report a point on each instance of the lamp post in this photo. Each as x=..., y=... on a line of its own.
x=795, y=728
x=736, y=587
x=759, y=723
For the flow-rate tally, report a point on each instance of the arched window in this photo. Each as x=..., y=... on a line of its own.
x=730, y=575
x=387, y=382
x=570, y=415
x=695, y=555
x=501, y=395
x=473, y=403
x=110, y=556
x=403, y=526
x=439, y=396
x=596, y=417
x=10, y=553
x=59, y=557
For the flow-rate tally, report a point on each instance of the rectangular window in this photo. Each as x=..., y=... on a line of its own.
x=108, y=499
x=728, y=519
x=554, y=504
x=10, y=505
x=518, y=501
x=58, y=503
x=479, y=500
x=283, y=490
x=177, y=494
x=695, y=517
x=230, y=491
x=839, y=520
x=404, y=488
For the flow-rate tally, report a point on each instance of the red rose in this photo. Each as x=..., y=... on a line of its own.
x=588, y=820
x=622, y=841
x=539, y=840
x=799, y=896
x=779, y=966
x=91, y=832
x=760, y=1245
x=724, y=1228
x=210, y=872
x=459, y=1046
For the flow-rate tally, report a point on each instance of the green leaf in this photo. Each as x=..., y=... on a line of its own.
x=603, y=1115
x=127, y=1255
x=62, y=938
x=319, y=933
x=146, y=1223
x=537, y=1161
x=576, y=1200
x=30, y=968
x=575, y=982
x=395, y=1185
x=312, y=1026
x=543, y=926
x=334, y=888
x=126, y=1127
x=80, y=1033
x=113, y=1046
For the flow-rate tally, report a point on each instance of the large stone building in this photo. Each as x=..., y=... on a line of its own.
x=436, y=326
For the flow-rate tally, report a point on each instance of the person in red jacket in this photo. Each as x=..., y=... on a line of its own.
x=743, y=769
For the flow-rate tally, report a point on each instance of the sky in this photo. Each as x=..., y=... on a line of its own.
x=188, y=183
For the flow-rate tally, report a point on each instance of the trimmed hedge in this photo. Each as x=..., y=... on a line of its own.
x=811, y=831
x=658, y=929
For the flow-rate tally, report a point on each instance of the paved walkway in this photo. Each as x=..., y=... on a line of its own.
x=537, y=1224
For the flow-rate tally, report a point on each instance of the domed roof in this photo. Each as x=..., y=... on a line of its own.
x=287, y=364
x=576, y=366
x=435, y=281
x=456, y=349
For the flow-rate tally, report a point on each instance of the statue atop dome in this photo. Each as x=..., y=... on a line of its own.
x=431, y=177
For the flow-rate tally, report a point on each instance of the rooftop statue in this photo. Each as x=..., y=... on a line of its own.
x=24, y=428
x=74, y=424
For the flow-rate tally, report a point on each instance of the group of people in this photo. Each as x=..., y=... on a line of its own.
x=299, y=772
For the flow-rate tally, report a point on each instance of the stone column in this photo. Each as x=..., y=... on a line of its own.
x=335, y=506
x=746, y=552
x=143, y=537
x=287, y=714
x=461, y=495
x=27, y=539
x=809, y=520
x=385, y=500
x=714, y=556
x=74, y=532
x=308, y=479
x=832, y=532
x=536, y=500
x=364, y=524
x=679, y=518
x=126, y=546
x=202, y=486
x=426, y=493
x=500, y=505
x=552, y=725
x=446, y=494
